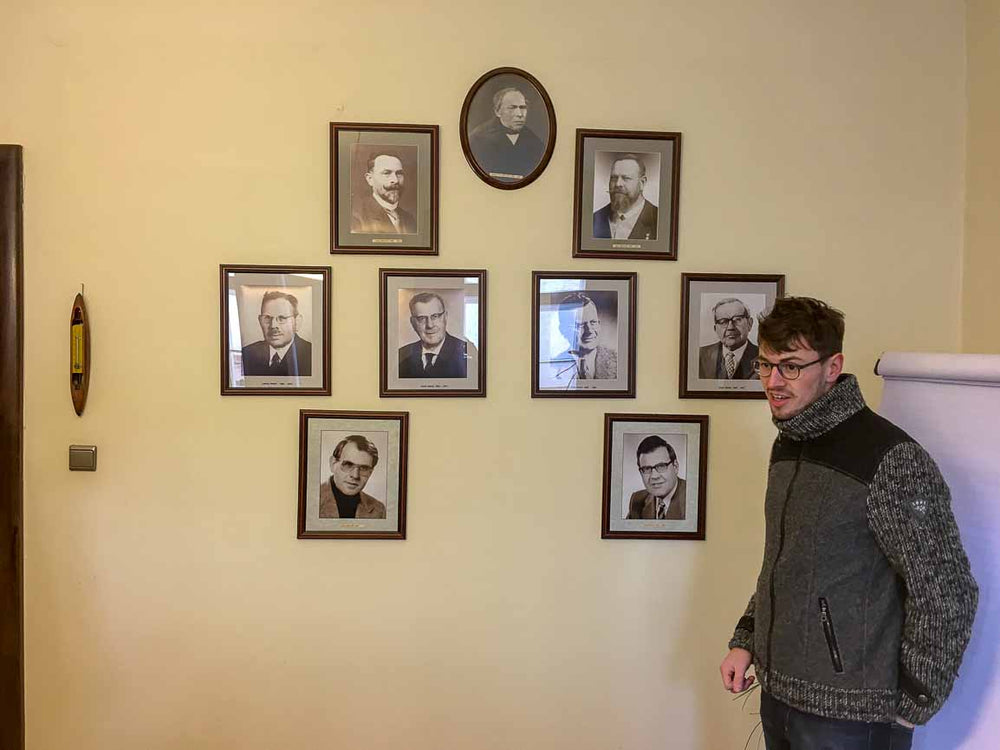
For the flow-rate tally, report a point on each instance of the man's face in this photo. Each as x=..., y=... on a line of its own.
x=513, y=110
x=790, y=397
x=429, y=321
x=582, y=328
x=732, y=324
x=658, y=472
x=278, y=322
x=386, y=178
x=625, y=184
x=352, y=470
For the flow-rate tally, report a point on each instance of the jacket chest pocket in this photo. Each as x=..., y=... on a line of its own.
x=826, y=620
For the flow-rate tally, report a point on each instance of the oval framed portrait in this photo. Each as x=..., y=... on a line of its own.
x=508, y=128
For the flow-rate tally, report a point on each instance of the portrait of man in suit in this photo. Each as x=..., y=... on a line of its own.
x=665, y=495
x=436, y=353
x=732, y=357
x=628, y=215
x=282, y=352
x=586, y=358
x=504, y=145
x=377, y=210
x=351, y=465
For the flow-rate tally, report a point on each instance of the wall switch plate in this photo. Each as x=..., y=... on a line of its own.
x=83, y=458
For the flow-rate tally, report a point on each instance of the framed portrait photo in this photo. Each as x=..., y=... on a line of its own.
x=352, y=474
x=626, y=194
x=720, y=315
x=583, y=334
x=508, y=128
x=655, y=469
x=433, y=332
x=275, y=330
x=383, y=189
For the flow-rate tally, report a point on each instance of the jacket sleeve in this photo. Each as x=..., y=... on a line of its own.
x=909, y=511
x=743, y=635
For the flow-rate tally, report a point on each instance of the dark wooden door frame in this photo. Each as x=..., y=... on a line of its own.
x=11, y=449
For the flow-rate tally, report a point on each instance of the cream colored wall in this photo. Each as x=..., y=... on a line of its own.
x=981, y=304
x=168, y=602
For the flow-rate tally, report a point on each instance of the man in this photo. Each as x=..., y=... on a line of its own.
x=865, y=600
x=282, y=352
x=665, y=495
x=437, y=354
x=379, y=212
x=351, y=466
x=586, y=358
x=733, y=357
x=629, y=216
x=504, y=146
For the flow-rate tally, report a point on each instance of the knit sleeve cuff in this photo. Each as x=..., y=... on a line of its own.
x=743, y=635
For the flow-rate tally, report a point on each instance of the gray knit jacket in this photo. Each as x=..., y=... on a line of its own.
x=865, y=601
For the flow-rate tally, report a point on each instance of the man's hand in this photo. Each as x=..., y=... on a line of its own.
x=734, y=670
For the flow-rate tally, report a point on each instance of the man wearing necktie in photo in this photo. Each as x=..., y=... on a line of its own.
x=379, y=212
x=664, y=498
x=732, y=357
x=587, y=358
x=437, y=354
x=282, y=352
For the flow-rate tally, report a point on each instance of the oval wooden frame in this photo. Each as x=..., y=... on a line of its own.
x=464, y=133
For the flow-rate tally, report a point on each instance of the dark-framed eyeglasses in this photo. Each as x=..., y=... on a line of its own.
x=350, y=466
x=788, y=370
x=660, y=469
x=726, y=322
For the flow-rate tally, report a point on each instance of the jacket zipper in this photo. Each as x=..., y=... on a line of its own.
x=777, y=556
x=831, y=636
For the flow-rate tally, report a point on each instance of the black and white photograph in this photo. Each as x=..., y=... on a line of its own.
x=384, y=188
x=583, y=334
x=626, y=194
x=720, y=314
x=433, y=332
x=655, y=468
x=274, y=330
x=352, y=475
x=508, y=128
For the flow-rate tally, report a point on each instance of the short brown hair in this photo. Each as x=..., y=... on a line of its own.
x=796, y=320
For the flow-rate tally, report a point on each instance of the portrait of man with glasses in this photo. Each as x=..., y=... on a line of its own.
x=665, y=495
x=732, y=357
x=282, y=352
x=351, y=465
x=436, y=353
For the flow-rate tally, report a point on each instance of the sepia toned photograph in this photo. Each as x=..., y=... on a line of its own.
x=626, y=194
x=720, y=315
x=352, y=475
x=655, y=469
x=433, y=332
x=583, y=334
x=275, y=334
x=384, y=188
x=508, y=128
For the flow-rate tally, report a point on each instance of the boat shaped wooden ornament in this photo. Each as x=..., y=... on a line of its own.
x=79, y=354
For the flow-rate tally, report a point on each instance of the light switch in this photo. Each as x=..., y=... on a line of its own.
x=83, y=458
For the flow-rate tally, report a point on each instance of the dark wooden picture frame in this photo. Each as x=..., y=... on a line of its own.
x=485, y=139
x=373, y=454
x=703, y=372
x=644, y=162
x=369, y=161
x=295, y=373
x=458, y=365
x=579, y=305
x=658, y=439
